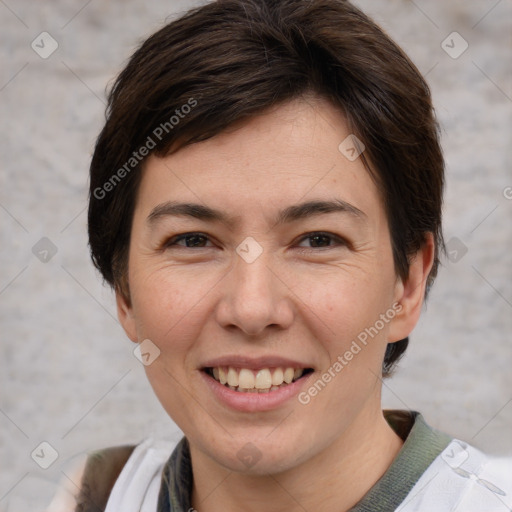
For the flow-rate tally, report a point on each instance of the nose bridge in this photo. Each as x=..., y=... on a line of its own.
x=254, y=298
x=253, y=280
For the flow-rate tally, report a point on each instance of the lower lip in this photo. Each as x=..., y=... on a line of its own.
x=254, y=402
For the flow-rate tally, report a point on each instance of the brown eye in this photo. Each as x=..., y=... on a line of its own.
x=189, y=240
x=321, y=240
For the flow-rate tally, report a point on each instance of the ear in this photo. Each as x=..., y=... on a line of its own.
x=410, y=293
x=125, y=315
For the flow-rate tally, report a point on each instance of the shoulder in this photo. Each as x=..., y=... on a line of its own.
x=65, y=499
x=100, y=473
x=463, y=478
x=106, y=479
x=90, y=478
x=138, y=485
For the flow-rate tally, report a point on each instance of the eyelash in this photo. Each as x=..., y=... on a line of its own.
x=338, y=241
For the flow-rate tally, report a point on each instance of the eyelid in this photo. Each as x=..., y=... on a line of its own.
x=172, y=241
x=336, y=238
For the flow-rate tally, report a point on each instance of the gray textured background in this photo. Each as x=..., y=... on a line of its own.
x=68, y=375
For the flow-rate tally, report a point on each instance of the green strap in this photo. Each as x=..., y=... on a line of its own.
x=100, y=474
x=422, y=445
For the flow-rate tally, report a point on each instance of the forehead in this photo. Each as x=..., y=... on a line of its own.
x=288, y=155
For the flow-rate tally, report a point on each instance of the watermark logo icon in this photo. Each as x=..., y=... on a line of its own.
x=249, y=455
x=44, y=455
x=44, y=45
x=44, y=250
x=455, y=454
x=249, y=250
x=146, y=352
x=351, y=148
x=454, y=45
x=456, y=249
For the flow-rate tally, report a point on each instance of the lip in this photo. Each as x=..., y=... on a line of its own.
x=254, y=363
x=255, y=402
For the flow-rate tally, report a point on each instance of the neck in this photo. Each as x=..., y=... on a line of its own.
x=334, y=479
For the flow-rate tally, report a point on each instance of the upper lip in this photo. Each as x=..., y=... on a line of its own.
x=254, y=363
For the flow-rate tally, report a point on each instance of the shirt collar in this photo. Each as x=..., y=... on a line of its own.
x=422, y=444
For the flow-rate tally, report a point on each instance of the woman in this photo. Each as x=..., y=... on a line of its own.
x=265, y=200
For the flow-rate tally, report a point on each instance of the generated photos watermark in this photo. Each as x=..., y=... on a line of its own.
x=343, y=360
x=151, y=141
x=146, y=352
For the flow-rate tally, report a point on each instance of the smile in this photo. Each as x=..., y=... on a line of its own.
x=264, y=380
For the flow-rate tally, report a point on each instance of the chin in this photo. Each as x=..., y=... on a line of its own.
x=259, y=455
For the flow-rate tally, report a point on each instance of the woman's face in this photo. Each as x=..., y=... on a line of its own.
x=284, y=261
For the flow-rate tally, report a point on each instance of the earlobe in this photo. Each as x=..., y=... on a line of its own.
x=410, y=293
x=125, y=315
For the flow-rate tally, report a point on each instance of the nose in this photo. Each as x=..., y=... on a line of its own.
x=254, y=298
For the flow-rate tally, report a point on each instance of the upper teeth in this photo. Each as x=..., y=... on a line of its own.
x=259, y=379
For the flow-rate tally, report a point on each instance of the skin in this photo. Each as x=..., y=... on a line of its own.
x=297, y=300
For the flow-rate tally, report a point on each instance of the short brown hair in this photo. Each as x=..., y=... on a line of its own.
x=232, y=59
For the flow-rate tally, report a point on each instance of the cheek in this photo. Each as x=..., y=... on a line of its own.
x=341, y=311
x=343, y=300
x=166, y=304
x=169, y=310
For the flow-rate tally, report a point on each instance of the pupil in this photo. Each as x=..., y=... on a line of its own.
x=195, y=241
x=317, y=240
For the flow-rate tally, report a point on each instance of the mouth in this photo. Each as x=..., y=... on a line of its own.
x=263, y=380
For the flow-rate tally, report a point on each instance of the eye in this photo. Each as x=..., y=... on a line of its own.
x=316, y=240
x=188, y=240
x=321, y=240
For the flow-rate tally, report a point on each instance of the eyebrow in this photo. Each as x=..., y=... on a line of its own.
x=287, y=215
